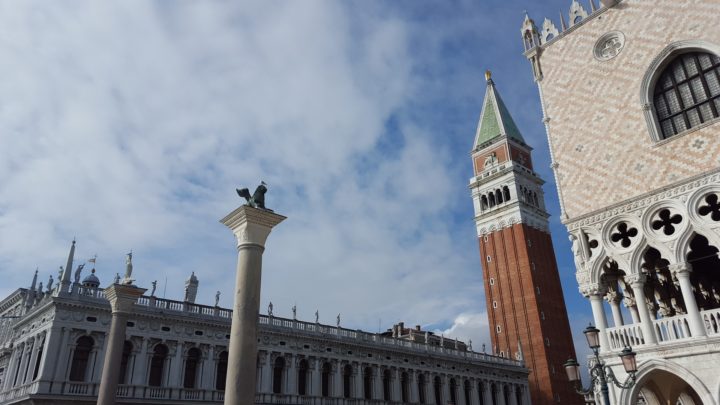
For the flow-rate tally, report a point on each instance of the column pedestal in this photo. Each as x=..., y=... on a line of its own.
x=251, y=227
x=122, y=298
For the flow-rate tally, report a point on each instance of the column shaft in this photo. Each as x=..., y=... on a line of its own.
x=697, y=327
x=140, y=366
x=616, y=313
x=113, y=357
x=242, y=353
x=645, y=320
x=598, y=310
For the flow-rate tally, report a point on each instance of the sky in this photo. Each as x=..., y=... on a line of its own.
x=127, y=125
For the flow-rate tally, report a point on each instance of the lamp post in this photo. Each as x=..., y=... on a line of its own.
x=599, y=372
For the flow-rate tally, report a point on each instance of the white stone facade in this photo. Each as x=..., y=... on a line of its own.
x=640, y=199
x=175, y=350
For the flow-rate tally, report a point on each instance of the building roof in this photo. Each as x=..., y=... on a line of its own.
x=495, y=119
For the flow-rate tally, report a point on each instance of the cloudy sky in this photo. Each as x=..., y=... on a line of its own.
x=129, y=124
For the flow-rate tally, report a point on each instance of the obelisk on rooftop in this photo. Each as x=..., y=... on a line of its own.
x=251, y=224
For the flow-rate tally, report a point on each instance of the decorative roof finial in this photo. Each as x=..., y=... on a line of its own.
x=488, y=76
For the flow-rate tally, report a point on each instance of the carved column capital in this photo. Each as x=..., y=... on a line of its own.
x=680, y=269
x=593, y=289
x=636, y=279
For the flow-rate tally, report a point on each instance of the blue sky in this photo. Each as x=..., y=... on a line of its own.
x=129, y=124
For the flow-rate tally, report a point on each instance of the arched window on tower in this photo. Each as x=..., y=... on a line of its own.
x=221, y=374
x=124, y=361
x=278, y=371
x=484, y=202
x=157, y=365
x=191, y=365
x=326, y=370
x=506, y=193
x=491, y=199
x=81, y=357
x=302, y=377
x=498, y=196
x=687, y=93
x=535, y=199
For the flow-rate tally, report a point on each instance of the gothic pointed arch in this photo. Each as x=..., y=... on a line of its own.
x=667, y=117
x=650, y=369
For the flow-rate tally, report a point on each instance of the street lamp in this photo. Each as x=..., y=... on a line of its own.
x=600, y=373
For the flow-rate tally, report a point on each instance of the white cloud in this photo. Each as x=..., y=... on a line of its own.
x=470, y=326
x=128, y=125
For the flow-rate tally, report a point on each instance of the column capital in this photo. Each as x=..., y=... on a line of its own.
x=635, y=279
x=123, y=297
x=251, y=226
x=680, y=269
x=593, y=290
x=613, y=296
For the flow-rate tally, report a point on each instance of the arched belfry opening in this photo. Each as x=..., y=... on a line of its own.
x=661, y=290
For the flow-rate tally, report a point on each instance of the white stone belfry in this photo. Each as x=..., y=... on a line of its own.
x=251, y=227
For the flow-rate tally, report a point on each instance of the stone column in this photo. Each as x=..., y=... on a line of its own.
x=359, y=380
x=377, y=383
x=413, y=391
x=474, y=394
x=176, y=366
x=613, y=298
x=209, y=368
x=637, y=282
x=24, y=360
x=251, y=227
x=461, y=400
x=10, y=373
x=266, y=374
x=122, y=298
x=337, y=383
x=141, y=364
x=52, y=345
x=63, y=357
x=513, y=396
x=446, y=389
x=396, y=385
x=316, y=385
x=596, y=294
x=487, y=393
x=682, y=272
x=631, y=305
x=500, y=394
x=291, y=374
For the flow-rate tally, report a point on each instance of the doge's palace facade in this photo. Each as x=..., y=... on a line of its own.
x=630, y=93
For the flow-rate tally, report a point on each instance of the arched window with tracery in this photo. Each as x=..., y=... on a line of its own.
x=221, y=374
x=687, y=93
x=302, y=377
x=124, y=361
x=192, y=361
x=326, y=370
x=157, y=365
x=81, y=358
x=278, y=371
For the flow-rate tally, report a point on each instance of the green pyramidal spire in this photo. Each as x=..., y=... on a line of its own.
x=495, y=120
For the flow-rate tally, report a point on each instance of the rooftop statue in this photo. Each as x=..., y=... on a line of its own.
x=257, y=200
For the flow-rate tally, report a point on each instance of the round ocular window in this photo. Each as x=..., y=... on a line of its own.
x=609, y=45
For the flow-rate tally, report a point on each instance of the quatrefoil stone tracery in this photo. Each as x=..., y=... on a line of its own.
x=711, y=208
x=666, y=222
x=609, y=45
x=624, y=234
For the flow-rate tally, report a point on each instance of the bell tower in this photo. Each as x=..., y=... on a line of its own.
x=525, y=304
